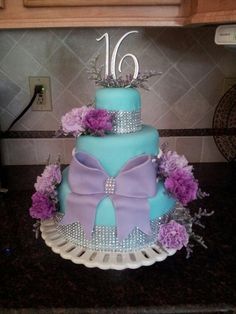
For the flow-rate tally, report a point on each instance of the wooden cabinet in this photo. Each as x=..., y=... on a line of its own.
x=87, y=13
x=214, y=11
x=77, y=3
x=105, y=13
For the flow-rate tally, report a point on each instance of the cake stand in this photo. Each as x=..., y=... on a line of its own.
x=103, y=260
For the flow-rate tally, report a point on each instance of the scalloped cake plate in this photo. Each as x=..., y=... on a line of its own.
x=102, y=260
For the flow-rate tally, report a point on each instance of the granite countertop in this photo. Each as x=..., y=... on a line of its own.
x=33, y=277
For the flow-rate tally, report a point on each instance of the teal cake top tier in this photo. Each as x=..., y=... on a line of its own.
x=125, y=106
x=118, y=99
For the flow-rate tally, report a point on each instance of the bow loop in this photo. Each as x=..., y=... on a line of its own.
x=137, y=178
x=86, y=175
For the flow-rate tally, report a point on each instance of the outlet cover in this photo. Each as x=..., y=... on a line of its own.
x=43, y=102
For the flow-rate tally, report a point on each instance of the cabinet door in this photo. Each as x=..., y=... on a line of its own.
x=67, y=3
x=1, y=4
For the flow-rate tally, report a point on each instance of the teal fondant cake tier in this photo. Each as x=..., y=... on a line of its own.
x=120, y=99
x=114, y=150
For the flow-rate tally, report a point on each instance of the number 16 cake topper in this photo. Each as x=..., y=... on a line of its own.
x=114, y=55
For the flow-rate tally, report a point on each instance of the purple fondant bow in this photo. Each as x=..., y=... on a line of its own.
x=128, y=191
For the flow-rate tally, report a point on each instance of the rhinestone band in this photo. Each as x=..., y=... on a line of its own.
x=126, y=121
x=110, y=185
x=104, y=237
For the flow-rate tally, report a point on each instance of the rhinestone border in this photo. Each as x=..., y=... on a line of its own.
x=104, y=237
x=126, y=121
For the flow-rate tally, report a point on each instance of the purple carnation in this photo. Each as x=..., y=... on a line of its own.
x=98, y=121
x=43, y=185
x=173, y=235
x=50, y=177
x=53, y=173
x=182, y=185
x=42, y=206
x=73, y=121
x=171, y=161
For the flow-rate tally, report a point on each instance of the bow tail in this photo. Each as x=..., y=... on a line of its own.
x=82, y=209
x=131, y=213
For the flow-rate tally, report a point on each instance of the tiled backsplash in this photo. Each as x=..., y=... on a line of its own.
x=184, y=96
x=36, y=151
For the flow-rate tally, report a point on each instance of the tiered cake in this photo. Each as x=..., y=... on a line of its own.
x=109, y=194
x=121, y=203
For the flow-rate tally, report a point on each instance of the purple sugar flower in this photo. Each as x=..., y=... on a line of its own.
x=173, y=235
x=182, y=185
x=171, y=161
x=73, y=121
x=42, y=206
x=98, y=121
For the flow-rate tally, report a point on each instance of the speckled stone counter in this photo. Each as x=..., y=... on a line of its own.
x=35, y=278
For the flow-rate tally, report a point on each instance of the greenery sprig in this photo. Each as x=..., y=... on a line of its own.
x=183, y=216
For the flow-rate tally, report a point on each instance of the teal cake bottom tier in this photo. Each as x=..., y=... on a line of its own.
x=104, y=235
x=159, y=205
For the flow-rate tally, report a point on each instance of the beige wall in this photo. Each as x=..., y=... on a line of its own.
x=184, y=96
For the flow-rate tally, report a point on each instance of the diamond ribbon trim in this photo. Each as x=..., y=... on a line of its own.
x=126, y=121
x=104, y=237
x=110, y=185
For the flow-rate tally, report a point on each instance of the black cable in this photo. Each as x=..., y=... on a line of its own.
x=37, y=91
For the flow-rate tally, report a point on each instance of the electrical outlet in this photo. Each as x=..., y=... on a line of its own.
x=43, y=102
x=228, y=83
